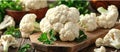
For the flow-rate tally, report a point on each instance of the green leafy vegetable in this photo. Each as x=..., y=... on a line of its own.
x=24, y=48
x=81, y=37
x=8, y=4
x=13, y=31
x=81, y=5
x=47, y=38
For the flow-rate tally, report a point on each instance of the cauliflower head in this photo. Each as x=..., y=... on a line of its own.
x=27, y=24
x=101, y=49
x=33, y=4
x=112, y=39
x=60, y=19
x=8, y=21
x=88, y=22
x=108, y=17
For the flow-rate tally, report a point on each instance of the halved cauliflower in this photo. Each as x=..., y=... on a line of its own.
x=88, y=22
x=108, y=18
x=112, y=39
x=62, y=20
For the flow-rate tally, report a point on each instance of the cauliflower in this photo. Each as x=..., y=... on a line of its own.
x=28, y=25
x=88, y=22
x=112, y=39
x=33, y=4
x=8, y=21
x=101, y=49
x=8, y=40
x=62, y=20
x=108, y=18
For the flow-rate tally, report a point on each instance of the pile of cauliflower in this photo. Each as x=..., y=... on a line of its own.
x=33, y=4
x=107, y=19
x=62, y=20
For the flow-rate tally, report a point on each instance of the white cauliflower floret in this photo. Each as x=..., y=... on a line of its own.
x=33, y=4
x=60, y=19
x=58, y=26
x=27, y=25
x=101, y=49
x=112, y=39
x=69, y=32
x=108, y=18
x=88, y=22
x=7, y=41
x=8, y=21
x=45, y=25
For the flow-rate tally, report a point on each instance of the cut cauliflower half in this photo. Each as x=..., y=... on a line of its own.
x=69, y=32
x=108, y=17
x=88, y=22
x=101, y=49
x=112, y=39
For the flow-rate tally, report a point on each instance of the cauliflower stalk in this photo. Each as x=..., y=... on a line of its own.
x=8, y=21
x=101, y=49
x=112, y=39
x=28, y=25
x=108, y=17
x=8, y=40
x=88, y=22
x=62, y=20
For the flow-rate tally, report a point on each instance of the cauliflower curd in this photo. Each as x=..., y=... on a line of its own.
x=62, y=20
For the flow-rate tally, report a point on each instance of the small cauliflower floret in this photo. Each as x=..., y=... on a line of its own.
x=69, y=32
x=101, y=49
x=62, y=20
x=108, y=18
x=58, y=26
x=33, y=4
x=8, y=21
x=112, y=39
x=45, y=25
x=28, y=25
x=7, y=41
x=88, y=22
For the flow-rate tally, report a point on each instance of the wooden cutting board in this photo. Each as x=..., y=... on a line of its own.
x=60, y=46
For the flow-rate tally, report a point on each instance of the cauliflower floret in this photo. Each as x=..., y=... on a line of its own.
x=33, y=4
x=58, y=26
x=112, y=39
x=60, y=19
x=108, y=18
x=101, y=49
x=8, y=21
x=69, y=32
x=88, y=22
x=45, y=25
x=8, y=40
x=27, y=24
